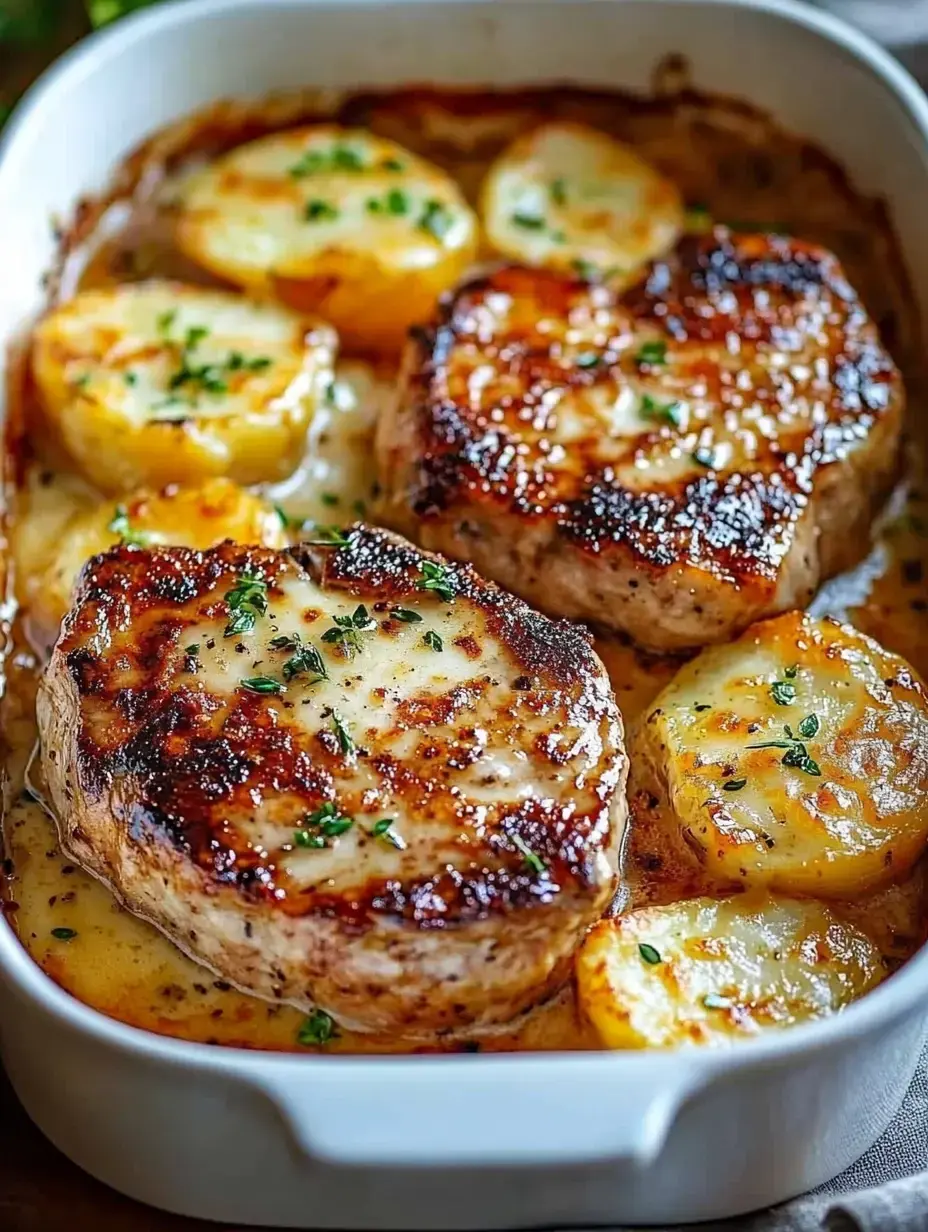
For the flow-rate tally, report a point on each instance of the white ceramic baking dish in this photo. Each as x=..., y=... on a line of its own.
x=463, y=1141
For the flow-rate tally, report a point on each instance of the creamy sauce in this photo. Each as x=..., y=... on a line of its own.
x=71, y=924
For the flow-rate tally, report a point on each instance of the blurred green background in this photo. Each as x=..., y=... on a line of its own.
x=33, y=32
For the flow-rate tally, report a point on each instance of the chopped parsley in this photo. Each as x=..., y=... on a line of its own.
x=329, y=498
x=208, y=378
x=392, y=164
x=407, y=616
x=383, y=829
x=326, y=822
x=437, y=578
x=792, y=672
x=585, y=269
x=734, y=784
x=783, y=693
x=64, y=934
x=247, y=600
x=649, y=954
x=346, y=631
x=396, y=202
x=318, y=210
x=317, y=1030
x=796, y=754
x=436, y=219
x=262, y=684
x=345, y=742
x=120, y=525
x=527, y=221
x=558, y=190
x=131, y=378
x=531, y=859
x=193, y=650
x=338, y=158
x=661, y=412
x=652, y=353
x=432, y=640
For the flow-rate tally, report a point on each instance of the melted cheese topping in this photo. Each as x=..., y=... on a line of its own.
x=710, y=971
x=161, y=383
x=794, y=758
x=568, y=196
x=337, y=221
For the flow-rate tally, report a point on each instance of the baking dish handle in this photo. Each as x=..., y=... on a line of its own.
x=488, y=1112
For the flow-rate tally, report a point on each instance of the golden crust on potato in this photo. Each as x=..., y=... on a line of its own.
x=568, y=196
x=159, y=383
x=795, y=758
x=334, y=221
x=710, y=971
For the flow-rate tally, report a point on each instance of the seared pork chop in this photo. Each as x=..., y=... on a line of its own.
x=671, y=462
x=351, y=777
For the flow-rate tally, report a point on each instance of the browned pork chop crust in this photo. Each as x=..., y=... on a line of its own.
x=350, y=777
x=672, y=462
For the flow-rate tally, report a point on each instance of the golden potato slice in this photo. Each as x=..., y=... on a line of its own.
x=794, y=758
x=334, y=221
x=710, y=971
x=194, y=517
x=568, y=196
x=159, y=383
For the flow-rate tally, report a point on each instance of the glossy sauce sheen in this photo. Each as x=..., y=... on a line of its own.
x=121, y=964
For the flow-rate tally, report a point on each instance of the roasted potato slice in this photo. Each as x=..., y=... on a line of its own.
x=190, y=517
x=710, y=971
x=159, y=383
x=334, y=221
x=567, y=196
x=794, y=758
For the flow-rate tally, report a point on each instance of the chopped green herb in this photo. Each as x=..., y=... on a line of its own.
x=64, y=934
x=262, y=684
x=329, y=498
x=407, y=616
x=346, y=631
x=195, y=335
x=558, y=190
x=432, y=640
x=392, y=164
x=328, y=537
x=662, y=412
x=344, y=158
x=319, y=211
x=796, y=754
x=326, y=822
x=531, y=859
x=585, y=269
x=791, y=672
x=649, y=954
x=436, y=219
x=712, y=1001
x=702, y=706
x=734, y=784
x=396, y=202
x=165, y=322
x=437, y=578
x=131, y=378
x=345, y=742
x=247, y=600
x=528, y=222
x=317, y=1030
x=654, y=352
x=338, y=158
x=306, y=661
x=383, y=829
x=120, y=525
x=783, y=693
x=193, y=650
